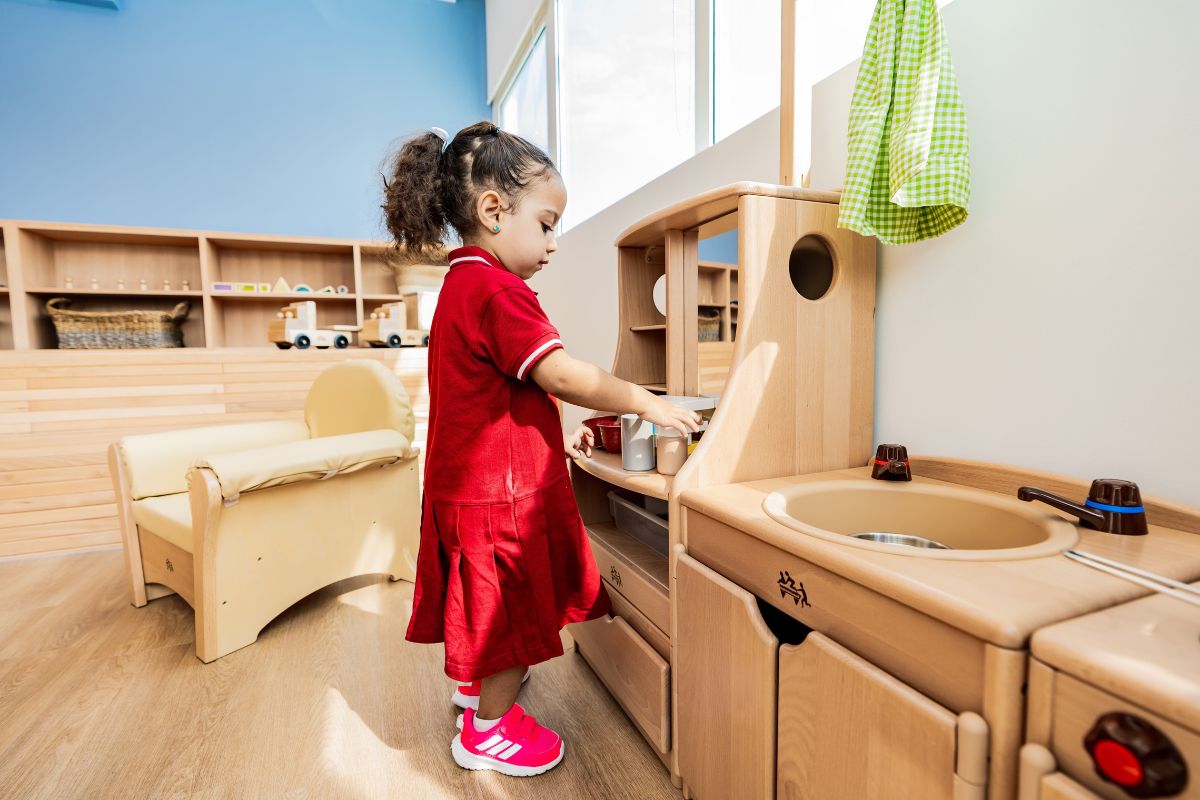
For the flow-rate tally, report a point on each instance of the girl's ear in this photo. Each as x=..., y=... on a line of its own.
x=488, y=208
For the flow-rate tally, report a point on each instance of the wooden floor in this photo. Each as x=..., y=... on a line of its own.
x=99, y=699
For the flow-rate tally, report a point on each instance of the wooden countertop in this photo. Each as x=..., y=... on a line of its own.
x=702, y=208
x=1002, y=602
x=1147, y=652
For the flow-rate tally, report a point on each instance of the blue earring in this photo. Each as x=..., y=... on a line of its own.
x=495, y=229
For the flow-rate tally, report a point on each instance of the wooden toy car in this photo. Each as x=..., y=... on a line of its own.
x=296, y=324
x=388, y=327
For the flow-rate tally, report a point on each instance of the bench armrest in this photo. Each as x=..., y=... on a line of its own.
x=158, y=463
x=311, y=459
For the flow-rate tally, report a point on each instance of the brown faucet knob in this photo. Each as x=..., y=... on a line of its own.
x=1121, y=503
x=891, y=463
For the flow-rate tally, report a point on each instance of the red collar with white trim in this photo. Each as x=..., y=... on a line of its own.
x=470, y=254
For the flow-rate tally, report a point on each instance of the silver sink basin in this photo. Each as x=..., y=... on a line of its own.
x=921, y=519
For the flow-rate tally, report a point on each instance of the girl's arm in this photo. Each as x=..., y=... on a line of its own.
x=586, y=385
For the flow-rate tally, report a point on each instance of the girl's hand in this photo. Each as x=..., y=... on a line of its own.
x=666, y=415
x=579, y=444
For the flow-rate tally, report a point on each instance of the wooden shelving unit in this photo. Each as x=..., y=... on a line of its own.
x=36, y=258
x=789, y=402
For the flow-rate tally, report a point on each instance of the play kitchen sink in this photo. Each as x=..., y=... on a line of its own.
x=922, y=518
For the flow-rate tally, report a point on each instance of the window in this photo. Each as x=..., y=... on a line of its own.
x=524, y=109
x=746, y=41
x=627, y=112
x=620, y=91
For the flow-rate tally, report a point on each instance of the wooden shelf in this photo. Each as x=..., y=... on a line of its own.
x=717, y=266
x=38, y=257
x=607, y=467
x=648, y=328
x=655, y=387
x=275, y=296
x=117, y=292
x=637, y=556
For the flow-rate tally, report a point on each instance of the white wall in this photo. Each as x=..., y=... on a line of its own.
x=507, y=21
x=579, y=288
x=1057, y=328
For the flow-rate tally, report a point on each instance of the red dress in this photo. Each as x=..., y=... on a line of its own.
x=504, y=561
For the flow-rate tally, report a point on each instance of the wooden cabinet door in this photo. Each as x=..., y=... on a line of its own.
x=847, y=729
x=725, y=661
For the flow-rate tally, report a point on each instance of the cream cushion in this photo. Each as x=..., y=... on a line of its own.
x=357, y=395
x=245, y=471
x=168, y=516
x=157, y=463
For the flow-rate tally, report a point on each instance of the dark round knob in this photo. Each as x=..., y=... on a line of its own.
x=891, y=452
x=1115, y=492
x=1130, y=752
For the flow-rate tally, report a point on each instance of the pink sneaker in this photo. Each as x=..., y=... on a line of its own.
x=466, y=695
x=516, y=745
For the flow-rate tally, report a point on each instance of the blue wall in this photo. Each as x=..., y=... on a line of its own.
x=268, y=116
x=721, y=248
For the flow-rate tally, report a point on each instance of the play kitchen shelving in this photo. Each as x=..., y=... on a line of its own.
x=36, y=258
x=789, y=403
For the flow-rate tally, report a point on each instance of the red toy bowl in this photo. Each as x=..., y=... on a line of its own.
x=610, y=435
x=594, y=424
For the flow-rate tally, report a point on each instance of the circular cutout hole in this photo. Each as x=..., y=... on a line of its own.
x=811, y=267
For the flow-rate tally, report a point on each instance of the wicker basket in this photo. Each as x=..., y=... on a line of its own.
x=708, y=321
x=92, y=330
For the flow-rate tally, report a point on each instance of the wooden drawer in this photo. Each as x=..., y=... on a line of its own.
x=935, y=658
x=637, y=572
x=641, y=624
x=631, y=670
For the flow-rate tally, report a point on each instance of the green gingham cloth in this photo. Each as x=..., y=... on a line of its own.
x=907, y=174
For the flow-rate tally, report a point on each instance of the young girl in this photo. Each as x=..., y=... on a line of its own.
x=504, y=561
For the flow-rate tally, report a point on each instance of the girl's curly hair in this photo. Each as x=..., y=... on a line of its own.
x=428, y=188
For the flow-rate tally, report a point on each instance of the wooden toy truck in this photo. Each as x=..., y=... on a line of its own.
x=296, y=325
x=388, y=327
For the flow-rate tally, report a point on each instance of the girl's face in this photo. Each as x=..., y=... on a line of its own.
x=526, y=237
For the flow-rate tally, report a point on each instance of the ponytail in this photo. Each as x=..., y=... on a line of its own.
x=412, y=206
x=432, y=184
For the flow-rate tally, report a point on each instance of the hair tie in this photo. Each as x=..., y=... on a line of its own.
x=445, y=137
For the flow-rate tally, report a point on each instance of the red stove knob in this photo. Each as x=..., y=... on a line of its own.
x=1135, y=755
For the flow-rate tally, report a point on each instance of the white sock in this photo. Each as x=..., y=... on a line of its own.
x=482, y=725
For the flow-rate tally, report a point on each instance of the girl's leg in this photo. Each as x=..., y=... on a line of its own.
x=498, y=693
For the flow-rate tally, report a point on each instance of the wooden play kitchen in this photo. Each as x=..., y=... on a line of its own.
x=770, y=652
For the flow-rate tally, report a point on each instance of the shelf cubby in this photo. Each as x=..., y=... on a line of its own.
x=51, y=255
x=317, y=264
x=42, y=332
